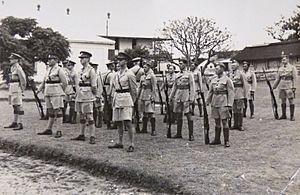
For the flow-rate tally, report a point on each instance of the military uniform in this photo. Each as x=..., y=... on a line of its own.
x=147, y=96
x=198, y=89
x=183, y=94
x=250, y=87
x=240, y=93
x=17, y=84
x=54, y=84
x=286, y=82
x=221, y=97
x=169, y=82
x=138, y=72
x=107, y=79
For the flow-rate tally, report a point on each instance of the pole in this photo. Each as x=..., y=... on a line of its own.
x=107, y=23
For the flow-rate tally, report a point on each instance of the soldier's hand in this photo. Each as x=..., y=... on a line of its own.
x=251, y=92
x=98, y=100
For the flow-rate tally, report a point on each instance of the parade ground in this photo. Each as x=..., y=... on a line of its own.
x=261, y=160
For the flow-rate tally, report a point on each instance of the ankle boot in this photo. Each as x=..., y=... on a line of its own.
x=179, y=129
x=292, y=111
x=217, y=137
x=226, y=137
x=145, y=123
x=191, y=130
x=251, y=105
x=283, y=108
x=152, y=121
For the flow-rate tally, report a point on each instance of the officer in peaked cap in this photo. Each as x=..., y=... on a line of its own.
x=17, y=84
x=85, y=54
x=123, y=56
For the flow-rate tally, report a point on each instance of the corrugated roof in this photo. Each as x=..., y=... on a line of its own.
x=134, y=37
x=269, y=51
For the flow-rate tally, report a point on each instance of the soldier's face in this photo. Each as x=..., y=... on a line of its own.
x=234, y=66
x=122, y=63
x=84, y=60
x=171, y=69
x=70, y=67
x=219, y=70
x=182, y=65
x=246, y=67
x=146, y=68
x=284, y=60
x=192, y=67
x=13, y=60
x=52, y=62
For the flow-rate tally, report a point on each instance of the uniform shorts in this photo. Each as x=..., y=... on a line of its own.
x=286, y=93
x=15, y=99
x=55, y=102
x=238, y=105
x=84, y=107
x=147, y=106
x=182, y=107
x=220, y=113
x=122, y=114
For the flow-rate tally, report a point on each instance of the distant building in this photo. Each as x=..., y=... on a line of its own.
x=269, y=55
x=98, y=48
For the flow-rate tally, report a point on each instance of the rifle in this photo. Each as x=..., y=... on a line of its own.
x=273, y=99
x=160, y=99
x=205, y=120
x=169, y=122
x=38, y=103
x=107, y=106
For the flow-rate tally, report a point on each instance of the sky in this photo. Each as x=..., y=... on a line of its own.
x=246, y=20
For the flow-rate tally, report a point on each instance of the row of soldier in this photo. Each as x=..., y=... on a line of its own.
x=133, y=92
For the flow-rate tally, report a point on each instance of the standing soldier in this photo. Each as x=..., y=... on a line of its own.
x=85, y=96
x=183, y=92
x=107, y=94
x=17, y=84
x=221, y=97
x=125, y=95
x=286, y=80
x=198, y=86
x=250, y=86
x=73, y=81
x=147, y=93
x=54, y=85
x=240, y=93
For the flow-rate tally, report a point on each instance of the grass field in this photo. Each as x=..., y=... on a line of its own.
x=261, y=159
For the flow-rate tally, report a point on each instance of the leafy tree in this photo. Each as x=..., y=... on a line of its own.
x=34, y=43
x=286, y=28
x=193, y=37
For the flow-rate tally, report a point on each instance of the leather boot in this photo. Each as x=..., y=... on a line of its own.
x=245, y=108
x=292, y=111
x=283, y=108
x=145, y=123
x=191, y=130
x=70, y=115
x=235, y=121
x=179, y=129
x=230, y=119
x=12, y=125
x=240, y=122
x=152, y=121
x=217, y=140
x=251, y=105
x=19, y=127
x=74, y=118
x=200, y=110
x=226, y=137
x=46, y=132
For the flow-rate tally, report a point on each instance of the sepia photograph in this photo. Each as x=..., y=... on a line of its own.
x=140, y=97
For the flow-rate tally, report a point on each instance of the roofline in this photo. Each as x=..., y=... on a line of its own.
x=132, y=37
x=273, y=44
x=110, y=42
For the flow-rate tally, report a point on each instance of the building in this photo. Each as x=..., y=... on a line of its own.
x=99, y=49
x=269, y=55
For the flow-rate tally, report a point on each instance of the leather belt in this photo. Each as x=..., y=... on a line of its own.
x=123, y=90
x=183, y=86
x=238, y=85
x=52, y=82
x=220, y=92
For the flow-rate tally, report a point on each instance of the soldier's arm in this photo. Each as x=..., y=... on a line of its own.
x=76, y=81
x=133, y=86
x=244, y=81
x=295, y=77
x=230, y=92
x=139, y=88
x=99, y=86
x=173, y=91
x=93, y=81
x=254, y=82
x=192, y=87
x=63, y=78
x=22, y=78
x=154, y=84
x=210, y=94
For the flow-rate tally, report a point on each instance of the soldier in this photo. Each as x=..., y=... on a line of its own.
x=107, y=94
x=286, y=80
x=97, y=106
x=73, y=81
x=221, y=97
x=54, y=85
x=183, y=92
x=85, y=96
x=250, y=86
x=169, y=82
x=147, y=93
x=240, y=93
x=17, y=84
x=125, y=87
x=198, y=86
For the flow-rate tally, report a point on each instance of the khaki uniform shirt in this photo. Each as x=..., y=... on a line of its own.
x=87, y=88
x=198, y=83
x=107, y=79
x=55, y=81
x=17, y=79
x=221, y=92
x=251, y=80
x=239, y=82
x=286, y=77
x=138, y=72
x=148, y=85
x=124, y=81
x=184, y=87
x=73, y=80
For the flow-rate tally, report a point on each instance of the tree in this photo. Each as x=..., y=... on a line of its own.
x=286, y=28
x=193, y=37
x=138, y=51
x=34, y=43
